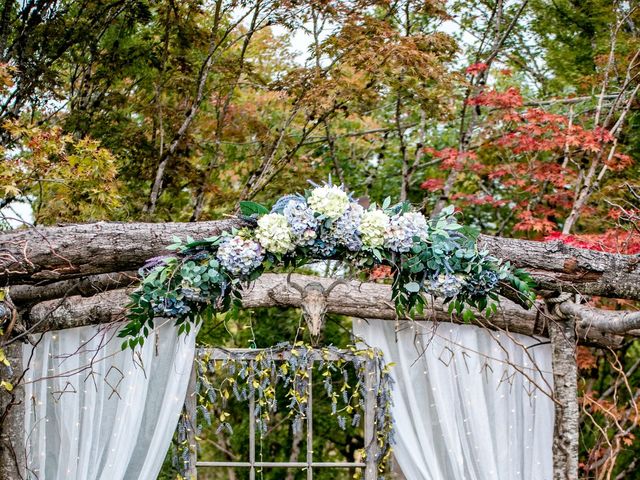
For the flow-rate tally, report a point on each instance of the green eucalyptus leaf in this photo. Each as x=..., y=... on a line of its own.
x=412, y=287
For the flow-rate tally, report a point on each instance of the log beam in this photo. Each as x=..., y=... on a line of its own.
x=602, y=320
x=26, y=295
x=50, y=254
x=356, y=299
x=559, y=267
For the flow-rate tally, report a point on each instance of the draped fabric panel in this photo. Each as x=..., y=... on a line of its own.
x=96, y=412
x=469, y=403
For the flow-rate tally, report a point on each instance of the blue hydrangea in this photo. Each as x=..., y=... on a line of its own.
x=481, y=284
x=239, y=256
x=403, y=228
x=302, y=221
x=346, y=229
x=282, y=202
x=192, y=294
x=171, y=307
x=325, y=245
x=444, y=286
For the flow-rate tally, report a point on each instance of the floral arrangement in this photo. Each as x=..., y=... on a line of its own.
x=428, y=258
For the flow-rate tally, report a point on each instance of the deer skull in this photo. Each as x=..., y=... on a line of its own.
x=314, y=303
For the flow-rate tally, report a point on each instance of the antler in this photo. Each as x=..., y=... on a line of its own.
x=340, y=281
x=294, y=284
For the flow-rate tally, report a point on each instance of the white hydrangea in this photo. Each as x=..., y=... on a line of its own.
x=329, y=200
x=402, y=230
x=274, y=233
x=239, y=256
x=373, y=226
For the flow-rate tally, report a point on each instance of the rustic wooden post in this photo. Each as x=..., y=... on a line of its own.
x=370, y=425
x=190, y=406
x=12, y=446
x=562, y=333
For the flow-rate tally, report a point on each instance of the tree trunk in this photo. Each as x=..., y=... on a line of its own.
x=12, y=446
x=565, y=379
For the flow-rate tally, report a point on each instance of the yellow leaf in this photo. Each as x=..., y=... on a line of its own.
x=6, y=385
x=3, y=358
x=11, y=191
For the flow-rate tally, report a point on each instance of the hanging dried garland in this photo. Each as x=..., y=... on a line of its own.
x=256, y=376
x=438, y=258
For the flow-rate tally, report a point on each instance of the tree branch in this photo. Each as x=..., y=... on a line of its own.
x=353, y=298
x=602, y=320
x=52, y=254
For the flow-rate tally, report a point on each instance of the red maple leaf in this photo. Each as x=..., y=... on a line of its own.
x=432, y=184
x=476, y=68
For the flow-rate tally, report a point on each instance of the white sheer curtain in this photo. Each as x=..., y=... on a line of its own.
x=468, y=402
x=95, y=412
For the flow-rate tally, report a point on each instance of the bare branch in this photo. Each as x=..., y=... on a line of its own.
x=603, y=320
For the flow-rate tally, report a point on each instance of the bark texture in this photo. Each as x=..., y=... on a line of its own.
x=25, y=295
x=12, y=450
x=565, y=379
x=57, y=253
x=356, y=299
x=602, y=320
x=559, y=267
x=45, y=255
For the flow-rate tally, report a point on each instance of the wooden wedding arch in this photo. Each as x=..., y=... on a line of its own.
x=74, y=275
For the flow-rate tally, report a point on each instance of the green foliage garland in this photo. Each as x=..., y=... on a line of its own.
x=205, y=277
x=438, y=258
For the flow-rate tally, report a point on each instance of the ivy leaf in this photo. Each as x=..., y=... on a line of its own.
x=251, y=208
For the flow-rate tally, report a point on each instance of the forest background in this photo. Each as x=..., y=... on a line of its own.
x=523, y=114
